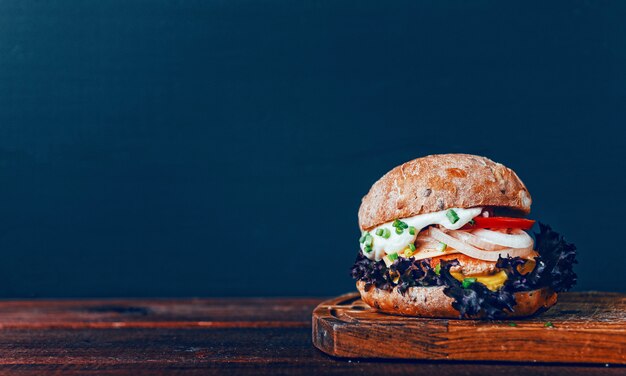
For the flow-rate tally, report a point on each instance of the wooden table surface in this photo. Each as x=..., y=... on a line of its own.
x=199, y=337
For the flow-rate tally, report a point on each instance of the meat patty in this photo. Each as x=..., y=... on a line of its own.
x=467, y=265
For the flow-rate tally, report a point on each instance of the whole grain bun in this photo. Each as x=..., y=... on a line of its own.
x=439, y=182
x=432, y=302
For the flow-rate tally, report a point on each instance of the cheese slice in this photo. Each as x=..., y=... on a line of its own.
x=493, y=282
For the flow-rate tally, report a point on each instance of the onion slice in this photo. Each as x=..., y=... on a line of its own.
x=425, y=253
x=427, y=247
x=517, y=239
x=471, y=239
x=476, y=253
x=426, y=241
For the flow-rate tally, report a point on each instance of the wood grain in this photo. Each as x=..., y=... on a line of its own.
x=163, y=313
x=200, y=337
x=587, y=328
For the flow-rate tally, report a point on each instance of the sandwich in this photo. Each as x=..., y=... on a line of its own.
x=447, y=236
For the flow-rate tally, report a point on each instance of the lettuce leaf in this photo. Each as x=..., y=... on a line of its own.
x=553, y=269
x=409, y=272
x=477, y=297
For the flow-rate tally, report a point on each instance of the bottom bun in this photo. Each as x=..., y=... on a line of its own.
x=432, y=302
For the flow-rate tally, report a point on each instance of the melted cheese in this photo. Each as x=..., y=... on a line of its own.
x=493, y=281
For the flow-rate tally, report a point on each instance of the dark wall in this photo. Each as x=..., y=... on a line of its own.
x=222, y=147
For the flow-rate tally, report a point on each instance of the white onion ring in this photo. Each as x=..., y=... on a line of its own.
x=476, y=253
x=517, y=239
x=424, y=238
x=425, y=241
x=428, y=247
x=432, y=250
x=471, y=239
x=431, y=253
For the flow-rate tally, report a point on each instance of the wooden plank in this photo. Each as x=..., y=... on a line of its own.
x=587, y=328
x=162, y=337
x=256, y=351
x=156, y=313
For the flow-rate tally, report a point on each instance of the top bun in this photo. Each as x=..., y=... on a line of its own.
x=439, y=182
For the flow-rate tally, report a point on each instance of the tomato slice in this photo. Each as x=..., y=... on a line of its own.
x=500, y=222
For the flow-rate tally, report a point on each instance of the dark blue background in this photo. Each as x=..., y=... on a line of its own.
x=170, y=148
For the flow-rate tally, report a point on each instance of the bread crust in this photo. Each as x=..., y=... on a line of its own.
x=432, y=302
x=438, y=182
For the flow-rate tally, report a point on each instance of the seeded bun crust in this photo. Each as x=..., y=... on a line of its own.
x=432, y=302
x=439, y=182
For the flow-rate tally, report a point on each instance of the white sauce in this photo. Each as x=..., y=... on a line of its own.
x=399, y=242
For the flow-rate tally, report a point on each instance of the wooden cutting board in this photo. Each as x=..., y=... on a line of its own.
x=584, y=327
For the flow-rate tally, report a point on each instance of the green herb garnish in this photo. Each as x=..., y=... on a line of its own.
x=399, y=224
x=393, y=256
x=367, y=248
x=386, y=233
x=549, y=325
x=368, y=240
x=411, y=230
x=467, y=282
x=399, y=230
x=472, y=222
x=512, y=324
x=438, y=269
x=362, y=238
x=379, y=232
x=412, y=247
x=452, y=216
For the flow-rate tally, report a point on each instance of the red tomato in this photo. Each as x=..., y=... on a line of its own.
x=500, y=222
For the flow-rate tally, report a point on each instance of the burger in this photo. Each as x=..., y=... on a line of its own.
x=446, y=236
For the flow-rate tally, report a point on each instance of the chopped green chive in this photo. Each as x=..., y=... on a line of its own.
x=399, y=224
x=362, y=238
x=412, y=247
x=549, y=325
x=411, y=230
x=452, y=216
x=467, y=282
x=442, y=247
x=386, y=233
x=367, y=248
x=512, y=324
x=393, y=256
x=368, y=240
x=399, y=230
x=379, y=232
x=472, y=222
x=438, y=269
